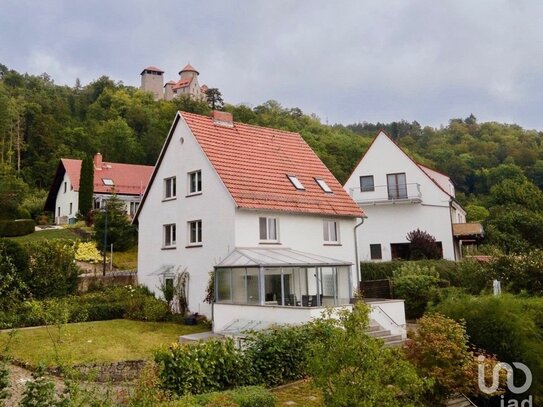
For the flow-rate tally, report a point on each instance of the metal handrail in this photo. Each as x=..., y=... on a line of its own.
x=383, y=192
x=388, y=316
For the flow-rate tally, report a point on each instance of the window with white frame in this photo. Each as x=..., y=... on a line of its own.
x=170, y=188
x=108, y=182
x=195, y=182
x=268, y=229
x=366, y=183
x=331, y=231
x=195, y=232
x=169, y=235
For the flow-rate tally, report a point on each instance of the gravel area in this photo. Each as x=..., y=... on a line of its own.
x=18, y=378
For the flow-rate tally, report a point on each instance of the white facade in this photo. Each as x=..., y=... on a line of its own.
x=402, y=197
x=224, y=226
x=67, y=202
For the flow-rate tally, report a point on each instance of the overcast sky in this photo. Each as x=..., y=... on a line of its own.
x=346, y=61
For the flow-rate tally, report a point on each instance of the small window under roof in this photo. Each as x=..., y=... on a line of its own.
x=296, y=182
x=322, y=183
x=108, y=182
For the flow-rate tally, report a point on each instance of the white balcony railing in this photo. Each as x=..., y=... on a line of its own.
x=387, y=194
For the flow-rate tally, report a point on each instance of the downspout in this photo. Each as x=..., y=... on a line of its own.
x=452, y=229
x=358, y=275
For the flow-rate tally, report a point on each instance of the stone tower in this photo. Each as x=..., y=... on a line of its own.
x=152, y=80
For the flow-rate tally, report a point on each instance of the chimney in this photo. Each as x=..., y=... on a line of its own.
x=97, y=161
x=224, y=119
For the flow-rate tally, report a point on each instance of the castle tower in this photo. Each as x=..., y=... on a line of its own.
x=188, y=82
x=152, y=80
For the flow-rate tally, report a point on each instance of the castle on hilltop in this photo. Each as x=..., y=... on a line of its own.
x=152, y=80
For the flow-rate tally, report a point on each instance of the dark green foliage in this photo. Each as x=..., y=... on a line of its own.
x=113, y=303
x=422, y=245
x=52, y=268
x=250, y=396
x=385, y=269
x=4, y=382
x=505, y=325
x=12, y=192
x=520, y=273
x=278, y=356
x=19, y=227
x=214, y=99
x=201, y=367
x=86, y=186
x=120, y=232
x=40, y=391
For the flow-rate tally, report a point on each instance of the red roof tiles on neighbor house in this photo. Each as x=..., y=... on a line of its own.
x=254, y=164
x=128, y=179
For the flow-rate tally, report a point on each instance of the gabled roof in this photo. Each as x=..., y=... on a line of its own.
x=438, y=178
x=128, y=179
x=277, y=257
x=254, y=164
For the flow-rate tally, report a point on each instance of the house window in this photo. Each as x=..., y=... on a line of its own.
x=268, y=229
x=108, y=182
x=169, y=235
x=375, y=252
x=58, y=211
x=324, y=186
x=65, y=186
x=331, y=231
x=195, y=182
x=397, y=188
x=170, y=188
x=195, y=232
x=296, y=182
x=71, y=207
x=134, y=207
x=366, y=183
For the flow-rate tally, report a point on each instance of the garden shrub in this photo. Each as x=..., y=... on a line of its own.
x=277, y=356
x=422, y=245
x=383, y=270
x=52, y=268
x=88, y=252
x=505, y=326
x=12, y=287
x=19, y=227
x=4, y=382
x=201, y=367
x=520, y=273
x=415, y=284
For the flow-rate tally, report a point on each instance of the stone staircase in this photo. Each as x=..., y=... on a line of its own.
x=377, y=331
x=459, y=400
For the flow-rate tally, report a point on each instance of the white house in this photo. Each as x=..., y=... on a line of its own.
x=399, y=195
x=259, y=208
x=127, y=181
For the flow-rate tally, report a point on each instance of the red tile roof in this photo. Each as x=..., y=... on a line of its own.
x=253, y=162
x=129, y=179
x=182, y=83
x=152, y=68
x=188, y=67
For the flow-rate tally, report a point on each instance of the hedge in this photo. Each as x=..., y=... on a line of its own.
x=19, y=227
x=383, y=270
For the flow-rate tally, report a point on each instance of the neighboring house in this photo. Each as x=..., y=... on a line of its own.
x=152, y=80
x=399, y=196
x=257, y=207
x=127, y=181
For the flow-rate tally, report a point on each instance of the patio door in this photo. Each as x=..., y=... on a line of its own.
x=396, y=185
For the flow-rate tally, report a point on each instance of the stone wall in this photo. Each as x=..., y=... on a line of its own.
x=115, y=278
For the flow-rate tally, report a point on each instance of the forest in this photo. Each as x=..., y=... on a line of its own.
x=497, y=168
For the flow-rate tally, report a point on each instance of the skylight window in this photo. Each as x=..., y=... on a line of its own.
x=108, y=182
x=324, y=186
x=296, y=182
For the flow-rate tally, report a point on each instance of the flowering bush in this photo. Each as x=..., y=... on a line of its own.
x=88, y=252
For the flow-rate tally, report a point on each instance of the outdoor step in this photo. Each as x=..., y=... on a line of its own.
x=372, y=328
x=394, y=343
x=391, y=338
x=459, y=402
x=379, y=333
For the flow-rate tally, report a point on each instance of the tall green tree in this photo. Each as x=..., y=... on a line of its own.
x=214, y=99
x=86, y=186
x=113, y=226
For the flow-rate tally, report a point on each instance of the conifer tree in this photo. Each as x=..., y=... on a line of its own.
x=86, y=186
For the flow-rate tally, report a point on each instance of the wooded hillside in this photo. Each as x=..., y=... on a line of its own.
x=498, y=168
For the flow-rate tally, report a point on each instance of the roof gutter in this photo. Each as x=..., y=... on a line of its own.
x=358, y=276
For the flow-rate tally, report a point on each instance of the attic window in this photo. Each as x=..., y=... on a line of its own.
x=324, y=186
x=296, y=182
x=108, y=182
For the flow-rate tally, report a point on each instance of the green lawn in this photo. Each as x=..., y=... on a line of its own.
x=64, y=233
x=101, y=341
x=303, y=394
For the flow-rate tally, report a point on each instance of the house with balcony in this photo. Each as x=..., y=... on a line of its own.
x=257, y=210
x=399, y=195
x=126, y=181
